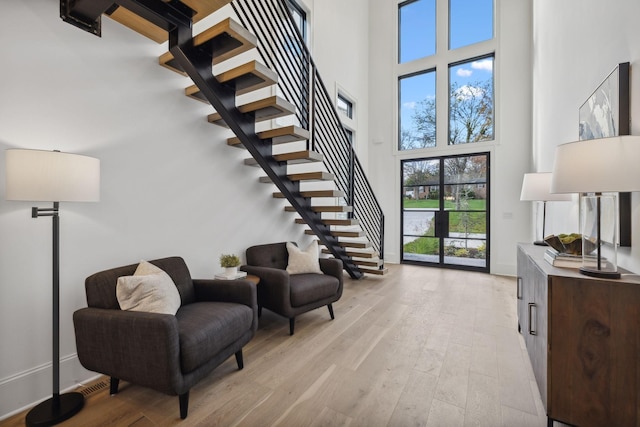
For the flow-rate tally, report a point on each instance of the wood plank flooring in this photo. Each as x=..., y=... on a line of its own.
x=417, y=347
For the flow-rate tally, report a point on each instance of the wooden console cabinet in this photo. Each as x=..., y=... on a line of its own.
x=583, y=338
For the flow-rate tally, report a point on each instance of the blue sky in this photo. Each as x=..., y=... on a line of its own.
x=471, y=21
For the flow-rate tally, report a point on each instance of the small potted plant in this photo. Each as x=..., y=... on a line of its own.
x=230, y=263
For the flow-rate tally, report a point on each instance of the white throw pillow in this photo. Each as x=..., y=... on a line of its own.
x=303, y=261
x=150, y=289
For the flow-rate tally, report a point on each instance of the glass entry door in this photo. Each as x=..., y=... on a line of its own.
x=445, y=211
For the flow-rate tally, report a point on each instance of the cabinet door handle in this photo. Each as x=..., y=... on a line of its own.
x=519, y=288
x=532, y=331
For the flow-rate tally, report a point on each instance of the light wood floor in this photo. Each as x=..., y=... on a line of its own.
x=417, y=347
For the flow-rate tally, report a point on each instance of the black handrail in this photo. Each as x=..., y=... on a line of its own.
x=283, y=49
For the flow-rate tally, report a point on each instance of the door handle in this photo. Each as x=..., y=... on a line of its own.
x=442, y=224
x=445, y=224
x=519, y=288
x=532, y=331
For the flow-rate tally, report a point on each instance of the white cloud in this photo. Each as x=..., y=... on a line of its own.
x=485, y=64
x=463, y=72
x=410, y=105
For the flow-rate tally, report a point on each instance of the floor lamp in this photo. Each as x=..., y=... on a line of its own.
x=536, y=187
x=52, y=176
x=593, y=167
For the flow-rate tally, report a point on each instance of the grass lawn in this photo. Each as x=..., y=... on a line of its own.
x=474, y=205
x=475, y=222
x=422, y=245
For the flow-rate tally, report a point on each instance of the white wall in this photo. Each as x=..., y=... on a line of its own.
x=170, y=185
x=339, y=41
x=577, y=43
x=510, y=152
x=341, y=51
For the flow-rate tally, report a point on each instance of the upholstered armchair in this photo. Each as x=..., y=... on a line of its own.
x=166, y=352
x=290, y=295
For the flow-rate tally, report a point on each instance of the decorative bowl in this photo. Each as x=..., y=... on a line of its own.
x=570, y=243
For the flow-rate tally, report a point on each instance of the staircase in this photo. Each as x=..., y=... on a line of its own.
x=309, y=158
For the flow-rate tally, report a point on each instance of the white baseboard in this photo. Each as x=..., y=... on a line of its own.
x=28, y=388
x=503, y=269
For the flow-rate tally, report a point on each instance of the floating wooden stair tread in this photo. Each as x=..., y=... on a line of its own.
x=323, y=209
x=355, y=254
x=366, y=263
x=193, y=92
x=308, y=176
x=312, y=176
x=139, y=24
x=335, y=233
x=203, y=8
x=296, y=157
x=380, y=272
x=277, y=136
x=224, y=40
x=264, y=109
x=285, y=134
x=338, y=222
x=357, y=245
x=292, y=158
x=248, y=77
x=316, y=193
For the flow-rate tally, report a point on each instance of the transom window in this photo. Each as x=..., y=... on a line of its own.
x=470, y=21
x=417, y=23
x=439, y=79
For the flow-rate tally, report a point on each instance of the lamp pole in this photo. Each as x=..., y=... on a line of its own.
x=59, y=407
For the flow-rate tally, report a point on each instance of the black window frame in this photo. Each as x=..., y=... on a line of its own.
x=297, y=10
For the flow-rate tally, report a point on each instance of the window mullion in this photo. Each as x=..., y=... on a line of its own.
x=442, y=79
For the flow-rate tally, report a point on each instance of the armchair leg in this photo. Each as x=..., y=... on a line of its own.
x=113, y=386
x=239, y=360
x=292, y=324
x=330, y=307
x=184, y=405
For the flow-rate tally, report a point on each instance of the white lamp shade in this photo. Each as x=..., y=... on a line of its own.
x=51, y=176
x=537, y=187
x=597, y=166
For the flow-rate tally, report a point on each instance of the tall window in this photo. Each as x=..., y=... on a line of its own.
x=299, y=16
x=417, y=110
x=439, y=79
x=471, y=101
x=346, y=106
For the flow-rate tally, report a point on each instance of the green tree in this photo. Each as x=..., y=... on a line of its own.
x=424, y=120
x=470, y=117
x=471, y=112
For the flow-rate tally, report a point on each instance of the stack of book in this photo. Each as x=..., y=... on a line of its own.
x=561, y=259
x=238, y=275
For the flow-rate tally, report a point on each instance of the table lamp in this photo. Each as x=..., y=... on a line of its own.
x=593, y=167
x=536, y=187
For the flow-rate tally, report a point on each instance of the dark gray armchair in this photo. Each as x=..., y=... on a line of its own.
x=161, y=351
x=291, y=295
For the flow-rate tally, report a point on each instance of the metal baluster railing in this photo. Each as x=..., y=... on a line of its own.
x=283, y=49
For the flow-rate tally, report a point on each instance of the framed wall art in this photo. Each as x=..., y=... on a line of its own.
x=604, y=114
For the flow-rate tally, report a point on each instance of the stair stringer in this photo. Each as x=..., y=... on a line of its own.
x=197, y=64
